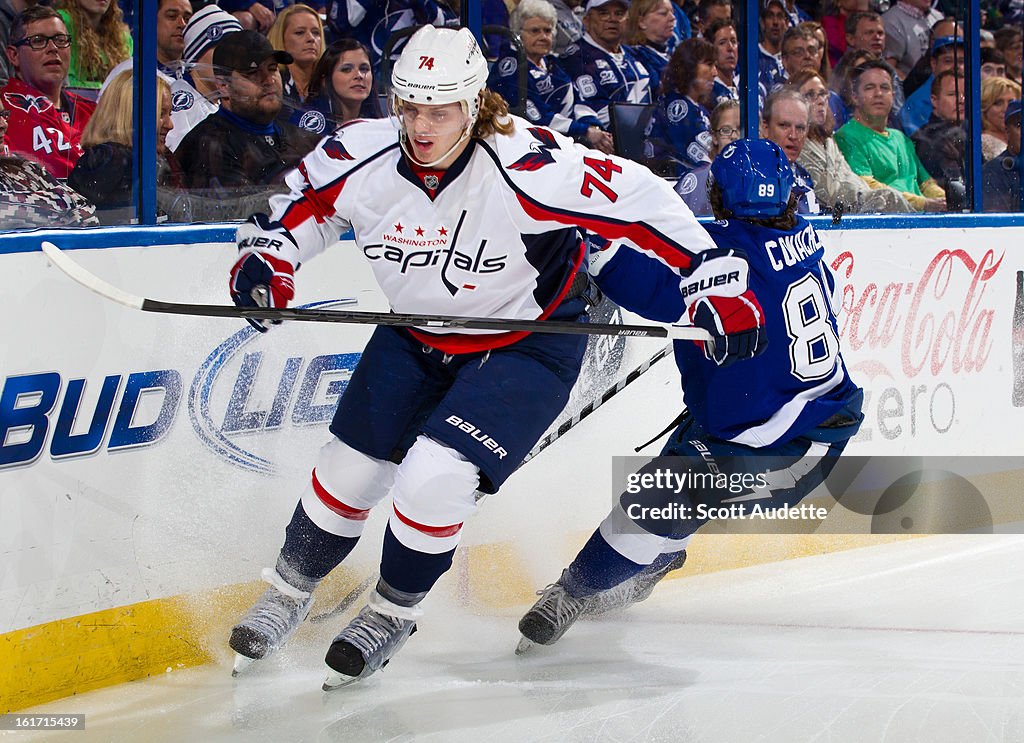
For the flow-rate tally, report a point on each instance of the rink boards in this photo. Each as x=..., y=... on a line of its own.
x=148, y=463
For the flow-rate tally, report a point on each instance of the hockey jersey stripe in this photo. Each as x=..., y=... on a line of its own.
x=432, y=531
x=335, y=505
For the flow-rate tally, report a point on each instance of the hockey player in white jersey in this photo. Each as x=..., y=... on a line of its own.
x=461, y=210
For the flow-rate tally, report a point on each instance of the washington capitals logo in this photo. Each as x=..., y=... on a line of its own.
x=540, y=154
x=28, y=103
x=336, y=150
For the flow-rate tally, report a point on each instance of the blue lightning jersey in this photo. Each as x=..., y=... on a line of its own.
x=602, y=78
x=681, y=133
x=799, y=381
x=550, y=100
x=372, y=22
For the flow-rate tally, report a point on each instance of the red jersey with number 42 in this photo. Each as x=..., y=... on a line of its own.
x=40, y=131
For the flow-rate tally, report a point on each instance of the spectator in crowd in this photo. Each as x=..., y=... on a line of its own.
x=784, y=121
x=996, y=94
x=879, y=153
x=921, y=75
x=795, y=15
x=708, y=12
x=1008, y=41
x=799, y=52
x=993, y=63
x=947, y=54
x=681, y=131
x=8, y=10
x=725, y=128
x=774, y=22
x=104, y=173
x=195, y=95
x=649, y=28
x=99, y=40
x=836, y=186
x=46, y=120
x=551, y=100
x=842, y=102
x=30, y=197
x=723, y=37
x=341, y=89
x=867, y=32
x=172, y=17
x=568, y=25
x=822, y=62
x=1001, y=175
x=602, y=69
x=834, y=19
x=242, y=145
x=906, y=33
x=940, y=142
x=373, y=21
x=298, y=31
x=253, y=16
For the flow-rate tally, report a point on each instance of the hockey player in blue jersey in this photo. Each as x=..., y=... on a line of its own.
x=787, y=413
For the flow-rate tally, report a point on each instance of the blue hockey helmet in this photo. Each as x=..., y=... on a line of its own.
x=754, y=177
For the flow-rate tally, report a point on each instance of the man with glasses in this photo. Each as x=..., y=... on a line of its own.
x=46, y=120
x=799, y=52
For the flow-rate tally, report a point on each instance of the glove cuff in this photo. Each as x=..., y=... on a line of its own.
x=719, y=276
x=260, y=236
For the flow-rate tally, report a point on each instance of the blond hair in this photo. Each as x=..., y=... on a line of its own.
x=992, y=89
x=97, y=51
x=112, y=120
x=493, y=117
x=276, y=33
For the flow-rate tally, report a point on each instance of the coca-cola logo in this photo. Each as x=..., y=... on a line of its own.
x=940, y=324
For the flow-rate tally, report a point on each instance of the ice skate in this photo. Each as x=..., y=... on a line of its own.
x=270, y=622
x=369, y=641
x=551, y=617
x=636, y=589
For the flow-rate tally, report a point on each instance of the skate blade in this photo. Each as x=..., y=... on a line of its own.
x=525, y=645
x=241, y=664
x=337, y=680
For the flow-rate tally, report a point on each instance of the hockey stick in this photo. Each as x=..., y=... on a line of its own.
x=349, y=599
x=101, y=287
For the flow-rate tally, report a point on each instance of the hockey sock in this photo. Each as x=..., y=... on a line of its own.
x=598, y=567
x=309, y=550
x=408, y=570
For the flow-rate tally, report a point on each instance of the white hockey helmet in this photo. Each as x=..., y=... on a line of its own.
x=441, y=65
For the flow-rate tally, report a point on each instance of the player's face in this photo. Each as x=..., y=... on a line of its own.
x=991, y=69
x=538, y=35
x=353, y=77
x=816, y=95
x=164, y=124
x=48, y=67
x=606, y=24
x=869, y=36
x=727, y=48
x=872, y=96
x=170, y=29
x=302, y=38
x=993, y=115
x=433, y=130
x=788, y=127
x=948, y=105
x=255, y=95
x=658, y=23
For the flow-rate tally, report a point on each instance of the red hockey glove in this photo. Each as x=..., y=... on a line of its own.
x=736, y=325
x=263, y=275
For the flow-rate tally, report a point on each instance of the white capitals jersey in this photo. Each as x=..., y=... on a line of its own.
x=498, y=236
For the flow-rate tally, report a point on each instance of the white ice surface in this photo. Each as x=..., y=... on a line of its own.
x=912, y=641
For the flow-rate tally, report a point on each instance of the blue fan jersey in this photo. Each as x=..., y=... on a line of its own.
x=602, y=78
x=550, y=100
x=681, y=133
x=799, y=381
x=372, y=22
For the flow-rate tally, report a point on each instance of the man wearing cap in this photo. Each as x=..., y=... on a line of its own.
x=242, y=144
x=1001, y=174
x=602, y=69
x=194, y=94
x=947, y=54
